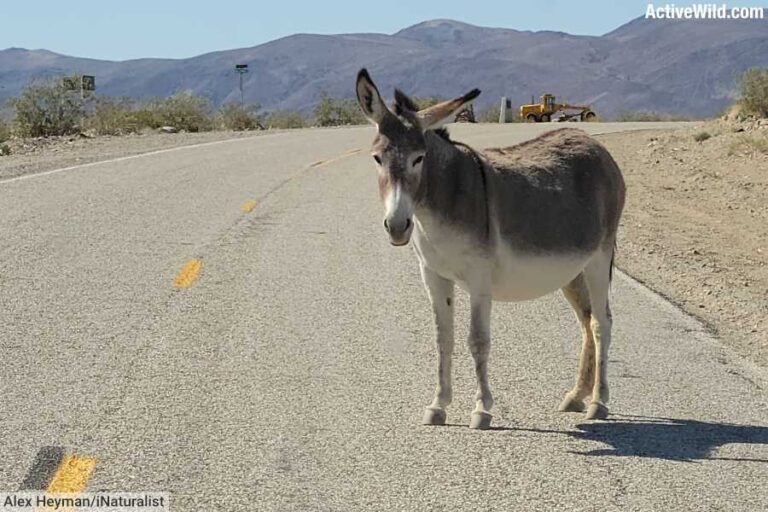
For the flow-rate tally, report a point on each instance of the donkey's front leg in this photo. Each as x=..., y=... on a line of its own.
x=480, y=346
x=441, y=295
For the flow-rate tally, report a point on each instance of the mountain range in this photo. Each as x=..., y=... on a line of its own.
x=687, y=67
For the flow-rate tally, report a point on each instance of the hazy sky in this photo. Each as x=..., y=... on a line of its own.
x=119, y=30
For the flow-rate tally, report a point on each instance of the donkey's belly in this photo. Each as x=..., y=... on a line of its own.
x=517, y=277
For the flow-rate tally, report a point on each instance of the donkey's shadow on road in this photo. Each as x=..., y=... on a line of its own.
x=665, y=438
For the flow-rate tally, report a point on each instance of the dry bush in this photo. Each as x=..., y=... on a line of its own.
x=5, y=131
x=338, y=112
x=118, y=116
x=701, y=136
x=754, y=91
x=47, y=108
x=633, y=116
x=281, y=119
x=184, y=111
x=489, y=115
x=236, y=117
x=747, y=144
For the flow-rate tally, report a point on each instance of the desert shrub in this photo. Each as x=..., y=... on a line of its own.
x=5, y=150
x=701, y=136
x=633, y=116
x=285, y=119
x=117, y=116
x=746, y=144
x=754, y=91
x=489, y=115
x=47, y=108
x=337, y=112
x=5, y=131
x=184, y=111
x=234, y=116
x=629, y=116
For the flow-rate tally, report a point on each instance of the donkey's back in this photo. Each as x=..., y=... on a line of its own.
x=561, y=192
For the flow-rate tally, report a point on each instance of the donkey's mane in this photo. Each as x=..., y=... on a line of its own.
x=443, y=133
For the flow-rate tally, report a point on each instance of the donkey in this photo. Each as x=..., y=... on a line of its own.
x=508, y=224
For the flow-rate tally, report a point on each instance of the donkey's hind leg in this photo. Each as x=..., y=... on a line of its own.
x=597, y=276
x=578, y=297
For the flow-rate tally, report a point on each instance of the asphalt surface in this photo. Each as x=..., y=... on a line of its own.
x=292, y=373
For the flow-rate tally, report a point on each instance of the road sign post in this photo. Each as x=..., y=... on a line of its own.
x=241, y=70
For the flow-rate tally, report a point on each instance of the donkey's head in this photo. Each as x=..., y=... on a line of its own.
x=400, y=149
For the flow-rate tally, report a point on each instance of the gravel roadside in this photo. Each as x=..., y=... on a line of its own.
x=695, y=227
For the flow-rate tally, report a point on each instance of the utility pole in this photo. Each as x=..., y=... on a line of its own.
x=241, y=69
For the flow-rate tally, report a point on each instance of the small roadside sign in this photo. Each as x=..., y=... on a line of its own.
x=89, y=83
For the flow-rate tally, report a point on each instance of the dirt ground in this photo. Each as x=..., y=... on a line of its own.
x=695, y=225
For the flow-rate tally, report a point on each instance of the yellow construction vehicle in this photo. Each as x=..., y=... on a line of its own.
x=542, y=112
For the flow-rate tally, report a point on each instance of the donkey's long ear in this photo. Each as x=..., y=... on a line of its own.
x=433, y=117
x=368, y=97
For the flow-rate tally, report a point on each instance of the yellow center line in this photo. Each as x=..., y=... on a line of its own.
x=248, y=206
x=336, y=159
x=72, y=475
x=188, y=274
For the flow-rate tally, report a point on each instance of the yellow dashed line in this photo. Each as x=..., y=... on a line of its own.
x=248, y=206
x=72, y=475
x=188, y=274
x=336, y=159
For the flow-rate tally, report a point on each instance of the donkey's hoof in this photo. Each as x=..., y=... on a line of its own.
x=480, y=420
x=571, y=404
x=434, y=416
x=597, y=411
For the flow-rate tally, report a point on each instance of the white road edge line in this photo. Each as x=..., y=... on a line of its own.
x=131, y=157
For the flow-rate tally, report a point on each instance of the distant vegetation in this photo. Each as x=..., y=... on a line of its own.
x=754, y=91
x=702, y=136
x=633, y=116
x=5, y=134
x=284, y=119
x=5, y=131
x=239, y=118
x=489, y=115
x=748, y=144
x=337, y=112
x=48, y=108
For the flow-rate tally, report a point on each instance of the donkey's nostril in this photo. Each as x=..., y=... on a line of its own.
x=386, y=225
x=407, y=224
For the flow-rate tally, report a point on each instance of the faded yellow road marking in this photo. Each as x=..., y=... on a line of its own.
x=248, y=206
x=72, y=475
x=188, y=274
x=336, y=159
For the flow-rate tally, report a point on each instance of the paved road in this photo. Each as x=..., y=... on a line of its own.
x=292, y=371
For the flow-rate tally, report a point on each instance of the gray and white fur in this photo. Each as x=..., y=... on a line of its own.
x=507, y=224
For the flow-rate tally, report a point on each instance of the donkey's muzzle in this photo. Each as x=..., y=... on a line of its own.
x=399, y=230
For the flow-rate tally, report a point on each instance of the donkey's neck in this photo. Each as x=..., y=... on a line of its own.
x=453, y=186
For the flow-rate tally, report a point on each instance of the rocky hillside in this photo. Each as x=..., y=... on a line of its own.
x=684, y=67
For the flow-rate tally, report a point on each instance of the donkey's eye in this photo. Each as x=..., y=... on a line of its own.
x=418, y=160
x=377, y=158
